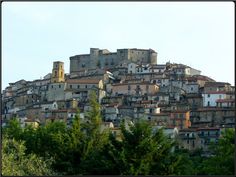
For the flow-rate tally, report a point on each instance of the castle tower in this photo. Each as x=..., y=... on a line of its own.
x=58, y=72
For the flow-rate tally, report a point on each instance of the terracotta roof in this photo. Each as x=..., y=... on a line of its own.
x=204, y=78
x=215, y=92
x=216, y=84
x=188, y=130
x=213, y=109
x=112, y=105
x=159, y=114
x=225, y=100
x=180, y=111
x=138, y=83
x=83, y=81
x=208, y=128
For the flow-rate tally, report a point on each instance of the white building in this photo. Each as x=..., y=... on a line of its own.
x=210, y=98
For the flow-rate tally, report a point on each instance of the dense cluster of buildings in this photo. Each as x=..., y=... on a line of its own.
x=130, y=85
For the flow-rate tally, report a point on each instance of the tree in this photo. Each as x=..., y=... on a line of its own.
x=143, y=151
x=94, y=139
x=16, y=162
x=222, y=162
x=13, y=129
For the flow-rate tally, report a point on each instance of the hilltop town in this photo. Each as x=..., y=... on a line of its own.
x=130, y=85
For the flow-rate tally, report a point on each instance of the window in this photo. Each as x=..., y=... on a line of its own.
x=77, y=86
x=59, y=86
x=219, y=96
x=71, y=86
x=208, y=103
x=85, y=86
x=52, y=86
x=208, y=95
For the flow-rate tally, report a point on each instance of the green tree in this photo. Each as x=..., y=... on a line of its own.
x=13, y=129
x=94, y=139
x=143, y=151
x=222, y=162
x=16, y=163
x=190, y=162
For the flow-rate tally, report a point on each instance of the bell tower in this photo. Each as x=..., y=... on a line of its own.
x=57, y=72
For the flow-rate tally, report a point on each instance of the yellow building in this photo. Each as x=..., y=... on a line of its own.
x=58, y=72
x=33, y=123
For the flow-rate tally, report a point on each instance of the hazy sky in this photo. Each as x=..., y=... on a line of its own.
x=198, y=34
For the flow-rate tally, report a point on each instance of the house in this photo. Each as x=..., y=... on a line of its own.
x=188, y=139
x=56, y=91
x=134, y=88
x=142, y=69
x=201, y=80
x=213, y=117
x=194, y=100
x=228, y=101
x=180, y=119
x=83, y=87
x=33, y=123
x=111, y=112
x=207, y=136
x=159, y=119
x=210, y=98
x=157, y=68
x=191, y=88
x=106, y=125
x=33, y=113
x=216, y=86
x=132, y=68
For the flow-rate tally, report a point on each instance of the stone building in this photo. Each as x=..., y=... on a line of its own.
x=106, y=59
x=134, y=88
x=189, y=139
x=180, y=119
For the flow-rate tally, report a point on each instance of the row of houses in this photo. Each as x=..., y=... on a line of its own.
x=168, y=95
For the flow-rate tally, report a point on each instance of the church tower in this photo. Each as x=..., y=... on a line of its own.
x=58, y=72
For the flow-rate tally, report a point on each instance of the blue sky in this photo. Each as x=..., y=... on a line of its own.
x=198, y=34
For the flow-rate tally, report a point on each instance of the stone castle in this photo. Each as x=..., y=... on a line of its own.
x=104, y=59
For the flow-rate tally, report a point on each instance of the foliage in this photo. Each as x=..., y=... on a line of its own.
x=13, y=129
x=222, y=162
x=190, y=162
x=16, y=162
x=143, y=152
x=86, y=149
